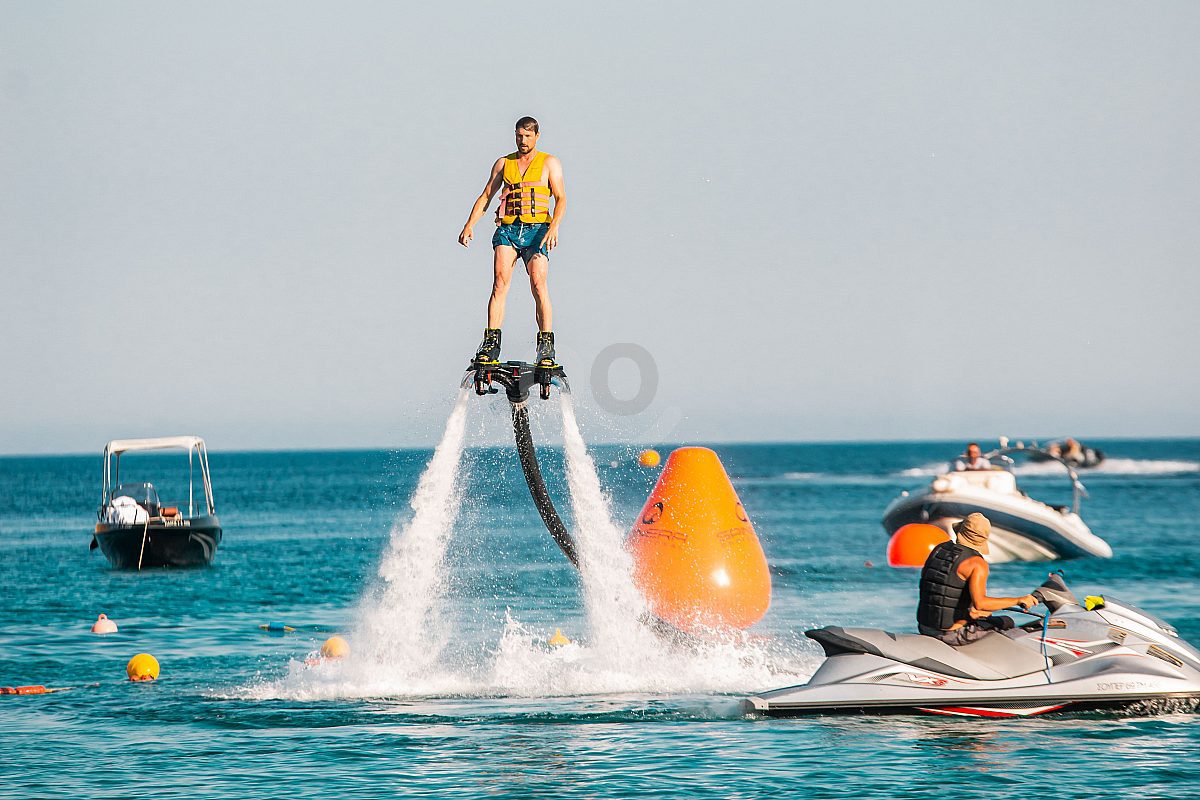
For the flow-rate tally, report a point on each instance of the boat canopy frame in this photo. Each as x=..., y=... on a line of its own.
x=197, y=454
x=1078, y=491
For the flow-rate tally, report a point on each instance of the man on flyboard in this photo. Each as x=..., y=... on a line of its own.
x=526, y=228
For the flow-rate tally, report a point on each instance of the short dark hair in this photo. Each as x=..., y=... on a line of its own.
x=973, y=444
x=527, y=122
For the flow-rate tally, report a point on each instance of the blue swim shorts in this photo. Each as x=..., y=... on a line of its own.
x=524, y=237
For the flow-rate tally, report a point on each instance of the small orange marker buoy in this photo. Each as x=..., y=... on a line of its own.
x=696, y=556
x=558, y=639
x=649, y=458
x=39, y=689
x=104, y=625
x=142, y=667
x=911, y=544
x=335, y=647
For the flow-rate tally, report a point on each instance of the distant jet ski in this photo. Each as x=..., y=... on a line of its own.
x=1103, y=654
x=1070, y=451
x=1023, y=529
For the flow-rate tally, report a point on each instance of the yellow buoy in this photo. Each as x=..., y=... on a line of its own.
x=335, y=647
x=558, y=639
x=142, y=667
x=649, y=458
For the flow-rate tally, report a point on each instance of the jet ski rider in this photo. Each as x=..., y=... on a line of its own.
x=954, y=605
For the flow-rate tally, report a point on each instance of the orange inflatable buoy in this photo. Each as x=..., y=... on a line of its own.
x=696, y=557
x=39, y=689
x=911, y=544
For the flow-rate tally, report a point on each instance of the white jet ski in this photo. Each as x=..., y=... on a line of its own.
x=1104, y=654
x=1023, y=529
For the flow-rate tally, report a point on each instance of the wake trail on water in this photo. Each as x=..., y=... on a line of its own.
x=398, y=645
x=1110, y=466
x=1049, y=469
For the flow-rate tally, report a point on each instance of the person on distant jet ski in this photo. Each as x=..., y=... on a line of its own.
x=526, y=228
x=954, y=605
x=972, y=459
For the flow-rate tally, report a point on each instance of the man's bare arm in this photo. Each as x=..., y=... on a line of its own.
x=481, y=203
x=977, y=583
x=559, y=191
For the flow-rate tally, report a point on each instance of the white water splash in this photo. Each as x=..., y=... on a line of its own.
x=397, y=620
x=398, y=648
x=613, y=602
x=739, y=663
x=622, y=653
x=398, y=635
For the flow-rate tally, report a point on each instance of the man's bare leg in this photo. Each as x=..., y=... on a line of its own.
x=505, y=258
x=538, y=268
x=489, y=348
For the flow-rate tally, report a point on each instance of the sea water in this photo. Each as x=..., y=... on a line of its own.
x=435, y=566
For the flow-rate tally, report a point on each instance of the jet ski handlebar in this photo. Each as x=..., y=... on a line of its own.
x=1054, y=592
x=1023, y=610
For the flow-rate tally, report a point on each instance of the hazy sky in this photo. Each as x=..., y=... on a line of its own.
x=824, y=221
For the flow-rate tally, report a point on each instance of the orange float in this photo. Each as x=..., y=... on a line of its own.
x=649, y=458
x=696, y=557
x=335, y=647
x=911, y=544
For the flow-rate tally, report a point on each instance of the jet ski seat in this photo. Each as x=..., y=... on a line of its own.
x=992, y=658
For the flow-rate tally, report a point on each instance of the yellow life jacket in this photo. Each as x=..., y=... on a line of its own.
x=526, y=196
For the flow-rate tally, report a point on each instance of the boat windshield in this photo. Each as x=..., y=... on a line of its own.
x=1030, y=470
x=144, y=493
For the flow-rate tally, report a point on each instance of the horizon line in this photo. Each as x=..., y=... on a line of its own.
x=647, y=445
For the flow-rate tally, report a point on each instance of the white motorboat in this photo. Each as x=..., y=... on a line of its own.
x=1023, y=529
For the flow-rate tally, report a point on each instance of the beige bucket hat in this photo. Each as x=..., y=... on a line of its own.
x=974, y=532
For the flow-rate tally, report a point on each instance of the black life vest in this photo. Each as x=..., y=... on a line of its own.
x=944, y=596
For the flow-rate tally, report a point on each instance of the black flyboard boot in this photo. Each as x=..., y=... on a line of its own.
x=488, y=353
x=545, y=350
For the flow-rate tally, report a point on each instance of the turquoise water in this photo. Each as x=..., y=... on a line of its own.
x=476, y=703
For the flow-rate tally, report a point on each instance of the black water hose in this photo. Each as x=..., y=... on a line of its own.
x=554, y=524
x=537, y=486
